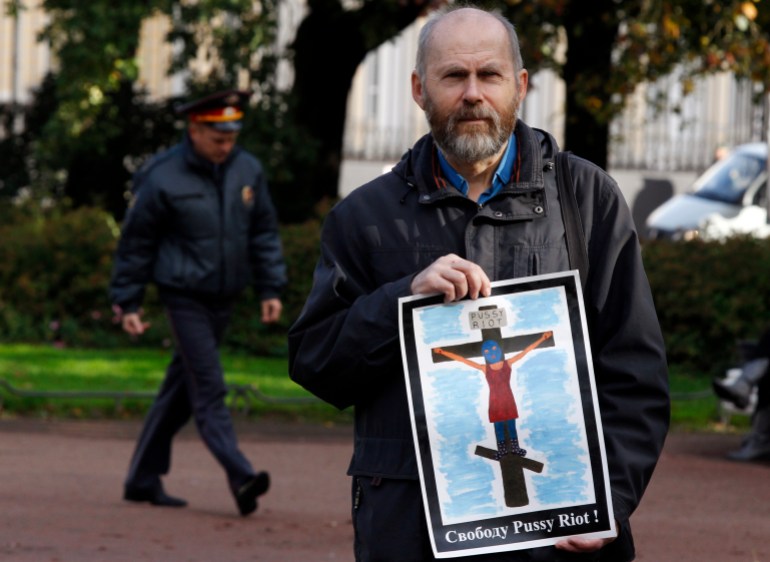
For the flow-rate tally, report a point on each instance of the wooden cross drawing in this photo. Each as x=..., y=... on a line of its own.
x=488, y=320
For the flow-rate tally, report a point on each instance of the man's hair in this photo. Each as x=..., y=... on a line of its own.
x=426, y=34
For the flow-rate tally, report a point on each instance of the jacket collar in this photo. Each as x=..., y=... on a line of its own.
x=419, y=166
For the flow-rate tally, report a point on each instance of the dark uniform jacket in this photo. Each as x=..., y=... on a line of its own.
x=199, y=229
x=345, y=345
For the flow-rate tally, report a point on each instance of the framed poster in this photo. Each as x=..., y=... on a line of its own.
x=505, y=417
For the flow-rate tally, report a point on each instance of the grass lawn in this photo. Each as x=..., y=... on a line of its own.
x=267, y=389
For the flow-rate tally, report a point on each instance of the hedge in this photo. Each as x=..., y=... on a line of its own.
x=709, y=296
x=55, y=268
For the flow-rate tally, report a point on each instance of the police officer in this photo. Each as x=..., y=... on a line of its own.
x=201, y=227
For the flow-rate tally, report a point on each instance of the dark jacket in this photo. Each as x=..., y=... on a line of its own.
x=345, y=345
x=198, y=229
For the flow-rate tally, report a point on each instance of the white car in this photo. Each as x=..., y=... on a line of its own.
x=727, y=199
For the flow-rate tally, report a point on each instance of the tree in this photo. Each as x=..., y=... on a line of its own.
x=87, y=120
x=330, y=44
x=298, y=134
x=99, y=125
x=614, y=46
x=611, y=48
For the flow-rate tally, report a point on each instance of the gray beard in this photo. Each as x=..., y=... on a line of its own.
x=474, y=146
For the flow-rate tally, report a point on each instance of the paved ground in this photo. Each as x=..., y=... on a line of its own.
x=60, y=485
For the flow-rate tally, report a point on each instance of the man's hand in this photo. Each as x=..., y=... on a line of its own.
x=271, y=310
x=574, y=544
x=454, y=277
x=132, y=323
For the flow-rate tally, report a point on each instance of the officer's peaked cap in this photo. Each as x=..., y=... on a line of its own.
x=222, y=111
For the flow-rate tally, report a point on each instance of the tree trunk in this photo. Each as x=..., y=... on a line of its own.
x=586, y=71
x=330, y=44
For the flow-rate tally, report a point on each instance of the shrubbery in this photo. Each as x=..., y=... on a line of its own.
x=54, y=274
x=55, y=268
x=709, y=296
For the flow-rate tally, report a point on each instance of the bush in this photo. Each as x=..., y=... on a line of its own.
x=709, y=295
x=55, y=269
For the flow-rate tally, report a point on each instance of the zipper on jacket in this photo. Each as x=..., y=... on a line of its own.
x=219, y=182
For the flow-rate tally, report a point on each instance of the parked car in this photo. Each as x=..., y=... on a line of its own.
x=727, y=199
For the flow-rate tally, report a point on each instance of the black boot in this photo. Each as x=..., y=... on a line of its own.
x=502, y=450
x=516, y=450
x=756, y=446
x=246, y=496
x=739, y=391
x=154, y=495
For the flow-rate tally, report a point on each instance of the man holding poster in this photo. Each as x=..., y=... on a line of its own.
x=473, y=203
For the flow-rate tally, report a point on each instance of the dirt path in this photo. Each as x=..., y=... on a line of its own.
x=60, y=486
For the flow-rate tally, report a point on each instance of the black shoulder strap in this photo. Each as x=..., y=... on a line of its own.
x=570, y=214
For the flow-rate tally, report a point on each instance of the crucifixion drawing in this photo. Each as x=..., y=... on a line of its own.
x=499, y=355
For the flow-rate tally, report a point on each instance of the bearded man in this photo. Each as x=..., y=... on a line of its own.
x=472, y=202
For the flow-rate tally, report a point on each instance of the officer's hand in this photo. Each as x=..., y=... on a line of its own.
x=132, y=323
x=271, y=310
x=454, y=277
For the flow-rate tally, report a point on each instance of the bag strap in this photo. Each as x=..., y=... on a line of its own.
x=570, y=214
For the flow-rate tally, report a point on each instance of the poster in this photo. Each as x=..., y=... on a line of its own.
x=505, y=417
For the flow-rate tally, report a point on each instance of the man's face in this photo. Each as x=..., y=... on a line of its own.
x=211, y=144
x=470, y=93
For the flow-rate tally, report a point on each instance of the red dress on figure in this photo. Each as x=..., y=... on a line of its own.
x=502, y=405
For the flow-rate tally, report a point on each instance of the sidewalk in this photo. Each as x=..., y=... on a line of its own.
x=60, y=488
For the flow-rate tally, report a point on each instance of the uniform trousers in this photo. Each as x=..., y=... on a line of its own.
x=193, y=386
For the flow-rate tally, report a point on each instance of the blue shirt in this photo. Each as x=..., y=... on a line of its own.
x=501, y=178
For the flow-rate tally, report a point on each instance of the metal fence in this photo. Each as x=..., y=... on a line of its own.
x=660, y=129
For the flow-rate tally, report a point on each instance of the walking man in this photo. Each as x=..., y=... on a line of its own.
x=202, y=227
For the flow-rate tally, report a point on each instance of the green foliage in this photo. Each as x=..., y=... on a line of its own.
x=53, y=272
x=650, y=39
x=90, y=125
x=21, y=169
x=79, y=173
x=55, y=267
x=95, y=43
x=92, y=119
x=236, y=37
x=709, y=295
x=301, y=245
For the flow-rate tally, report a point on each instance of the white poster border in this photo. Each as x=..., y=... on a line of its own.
x=564, y=492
